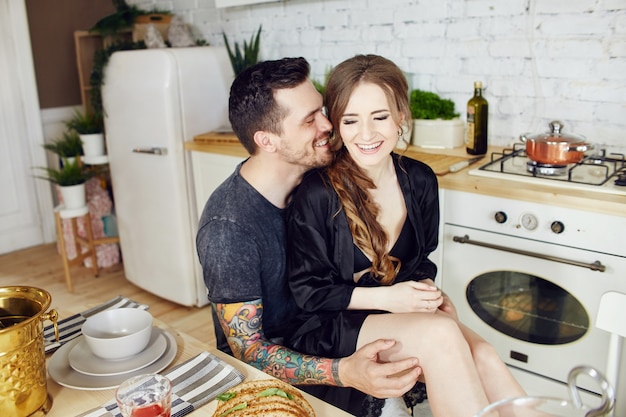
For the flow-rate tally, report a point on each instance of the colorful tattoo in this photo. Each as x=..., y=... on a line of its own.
x=242, y=324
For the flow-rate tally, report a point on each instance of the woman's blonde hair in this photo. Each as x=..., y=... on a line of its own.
x=348, y=180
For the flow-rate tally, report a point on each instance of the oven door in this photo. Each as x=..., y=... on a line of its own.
x=538, y=313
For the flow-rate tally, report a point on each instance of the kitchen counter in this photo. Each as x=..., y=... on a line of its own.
x=227, y=144
x=72, y=402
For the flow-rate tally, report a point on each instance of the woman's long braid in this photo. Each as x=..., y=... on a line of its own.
x=362, y=213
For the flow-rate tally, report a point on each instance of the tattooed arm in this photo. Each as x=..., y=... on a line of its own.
x=241, y=323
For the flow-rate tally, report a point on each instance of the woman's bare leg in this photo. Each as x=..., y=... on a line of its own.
x=454, y=386
x=496, y=378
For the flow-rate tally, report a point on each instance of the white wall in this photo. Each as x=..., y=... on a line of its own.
x=540, y=60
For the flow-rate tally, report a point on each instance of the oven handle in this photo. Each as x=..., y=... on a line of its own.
x=595, y=266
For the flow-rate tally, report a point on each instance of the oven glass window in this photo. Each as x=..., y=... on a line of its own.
x=527, y=307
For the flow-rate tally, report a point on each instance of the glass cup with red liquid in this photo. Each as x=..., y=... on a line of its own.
x=147, y=395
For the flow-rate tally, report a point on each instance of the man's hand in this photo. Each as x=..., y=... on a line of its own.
x=363, y=371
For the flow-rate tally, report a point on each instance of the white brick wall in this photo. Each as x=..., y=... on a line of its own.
x=539, y=59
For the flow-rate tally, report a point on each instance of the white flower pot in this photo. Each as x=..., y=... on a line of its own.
x=93, y=144
x=73, y=196
x=70, y=160
x=438, y=133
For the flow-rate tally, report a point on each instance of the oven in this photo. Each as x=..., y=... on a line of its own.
x=528, y=277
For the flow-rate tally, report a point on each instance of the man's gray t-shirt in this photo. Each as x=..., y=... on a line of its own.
x=241, y=246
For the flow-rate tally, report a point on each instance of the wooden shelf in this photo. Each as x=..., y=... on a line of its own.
x=87, y=44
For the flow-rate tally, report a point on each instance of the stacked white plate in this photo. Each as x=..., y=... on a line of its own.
x=74, y=365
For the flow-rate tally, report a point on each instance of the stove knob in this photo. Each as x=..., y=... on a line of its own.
x=557, y=227
x=500, y=217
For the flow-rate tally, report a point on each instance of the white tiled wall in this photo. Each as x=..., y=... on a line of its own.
x=539, y=59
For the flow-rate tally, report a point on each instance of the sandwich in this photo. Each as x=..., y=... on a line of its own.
x=265, y=397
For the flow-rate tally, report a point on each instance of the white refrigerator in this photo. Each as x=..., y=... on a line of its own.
x=154, y=100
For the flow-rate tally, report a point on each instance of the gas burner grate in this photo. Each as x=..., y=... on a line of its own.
x=546, y=169
x=594, y=169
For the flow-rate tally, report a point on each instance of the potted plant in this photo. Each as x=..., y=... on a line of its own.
x=154, y=16
x=69, y=146
x=70, y=178
x=126, y=16
x=90, y=128
x=435, y=123
x=240, y=59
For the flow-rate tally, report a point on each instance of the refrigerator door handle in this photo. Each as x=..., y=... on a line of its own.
x=154, y=150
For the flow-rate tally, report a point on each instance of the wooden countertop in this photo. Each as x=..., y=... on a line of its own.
x=73, y=402
x=227, y=144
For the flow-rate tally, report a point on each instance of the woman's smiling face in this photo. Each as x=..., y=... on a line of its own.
x=367, y=127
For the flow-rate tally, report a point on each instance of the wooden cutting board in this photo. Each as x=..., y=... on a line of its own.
x=221, y=138
x=438, y=162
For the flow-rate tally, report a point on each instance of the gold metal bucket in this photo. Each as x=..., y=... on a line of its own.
x=23, y=382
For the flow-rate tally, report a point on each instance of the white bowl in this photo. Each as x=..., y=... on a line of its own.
x=118, y=333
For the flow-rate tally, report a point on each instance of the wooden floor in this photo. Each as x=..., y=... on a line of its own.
x=41, y=267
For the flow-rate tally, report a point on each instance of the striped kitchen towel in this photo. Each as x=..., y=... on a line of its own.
x=194, y=383
x=70, y=327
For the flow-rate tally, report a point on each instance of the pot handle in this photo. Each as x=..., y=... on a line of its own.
x=523, y=137
x=581, y=148
x=556, y=126
x=53, y=316
x=608, y=394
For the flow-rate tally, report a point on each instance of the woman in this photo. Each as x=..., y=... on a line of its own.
x=360, y=233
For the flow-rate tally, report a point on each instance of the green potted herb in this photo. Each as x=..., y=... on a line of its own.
x=85, y=123
x=242, y=58
x=71, y=178
x=122, y=20
x=126, y=16
x=68, y=146
x=90, y=128
x=436, y=124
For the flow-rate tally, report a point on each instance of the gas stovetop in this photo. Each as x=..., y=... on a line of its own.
x=600, y=171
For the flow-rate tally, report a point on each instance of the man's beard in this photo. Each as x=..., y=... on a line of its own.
x=307, y=157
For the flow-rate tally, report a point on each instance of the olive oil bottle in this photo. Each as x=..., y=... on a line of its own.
x=477, y=120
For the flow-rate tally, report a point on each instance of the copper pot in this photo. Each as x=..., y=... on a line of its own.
x=555, y=147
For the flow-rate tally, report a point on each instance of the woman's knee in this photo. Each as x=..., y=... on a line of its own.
x=438, y=330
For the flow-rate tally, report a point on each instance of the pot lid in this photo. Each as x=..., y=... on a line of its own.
x=554, y=135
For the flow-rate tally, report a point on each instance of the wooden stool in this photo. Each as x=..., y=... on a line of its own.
x=60, y=212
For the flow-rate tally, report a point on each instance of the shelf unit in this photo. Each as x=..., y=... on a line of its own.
x=87, y=44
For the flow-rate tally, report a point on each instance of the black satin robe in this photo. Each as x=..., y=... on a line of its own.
x=321, y=256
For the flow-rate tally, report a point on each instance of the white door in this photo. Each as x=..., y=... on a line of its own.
x=25, y=203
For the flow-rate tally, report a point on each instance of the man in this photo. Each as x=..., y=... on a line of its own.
x=276, y=113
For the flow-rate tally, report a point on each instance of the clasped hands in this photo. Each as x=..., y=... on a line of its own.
x=418, y=297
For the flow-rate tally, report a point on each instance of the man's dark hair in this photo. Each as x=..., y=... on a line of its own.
x=251, y=106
